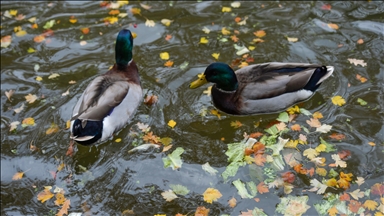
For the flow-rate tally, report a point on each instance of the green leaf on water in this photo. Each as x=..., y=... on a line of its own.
x=179, y=189
x=231, y=169
x=283, y=117
x=206, y=167
x=174, y=160
x=252, y=188
x=329, y=148
x=241, y=190
x=361, y=102
x=184, y=65
x=305, y=112
x=293, y=205
x=49, y=24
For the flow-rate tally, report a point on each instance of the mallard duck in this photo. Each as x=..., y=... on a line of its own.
x=110, y=100
x=262, y=88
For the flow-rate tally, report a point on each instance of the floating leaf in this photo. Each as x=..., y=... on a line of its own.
x=18, y=175
x=310, y=153
x=72, y=19
x=6, y=41
x=85, y=30
x=357, y=62
x=216, y=113
x=54, y=128
x=54, y=75
x=211, y=194
x=49, y=24
x=171, y=123
x=338, y=161
x=169, y=195
x=324, y=128
x=168, y=63
x=206, y=167
x=166, y=22
x=206, y=30
x=260, y=33
x=111, y=20
x=232, y=202
x=136, y=11
x=13, y=12
x=201, y=211
x=28, y=122
x=225, y=31
x=179, y=189
x=262, y=188
x=203, y=40
x=9, y=94
x=216, y=55
x=333, y=26
x=370, y=204
x=13, y=125
x=44, y=195
x=60, y=199
x=356, y=194
x=338, y=100
x=30, y=98
x=226, y=9
x=236, y=124
x=164, y=55
x=361, y=102
x=149, y=23
x=64, y=209
x=39, y=38
x=293, y=205
x=150, y=99
x=174, y=160
x=146, y=7
x=292, y=39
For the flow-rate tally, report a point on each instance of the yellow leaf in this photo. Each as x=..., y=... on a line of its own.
x=211, y=195
x=293, y=110
x=44, y=195
x=235, y=4
x=60, y=199
x=52, y=129
x=203, y=40
x=171, y=123
x=21, y=33
x=333, y=26
x=54, y=75
x=236, y=124
x=232, y=202
x=371, y=143
x=310, y=153
x=18, y=175
x=68, y=124
x=317, y=115
x=60, y=167
x=333, y=211
x=114, y=12
x=136, y=11
x=32, y=19
x=166, y=141
x=251, y=48
x=321, y=171
x=164, y=55
x=321, y=148
x=208, y=91
x=243, y=64
x=224, y=31
x=39, y=78
x=216, y=113
x=338, y=100
x=111, y=20
x=72, y=20
x=168, y=63
x=260, y=33
x=13, y=12
x=122, y=3
x=258, y=40
x=226, y=9
x=30, y=98
x=28, y=122
x=291, y=144
x=118, y=140
x=331, y=182
x=216, y=55
x=31, y=50
x=370, y=204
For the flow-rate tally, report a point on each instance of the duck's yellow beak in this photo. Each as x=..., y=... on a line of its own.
x=199, y=82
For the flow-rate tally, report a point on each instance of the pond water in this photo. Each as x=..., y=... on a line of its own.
x=106, y=179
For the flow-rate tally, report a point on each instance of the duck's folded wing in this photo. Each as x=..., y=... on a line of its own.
x=273, y=79
x=100, y=97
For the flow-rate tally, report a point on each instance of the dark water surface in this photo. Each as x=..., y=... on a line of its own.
x=117, y=181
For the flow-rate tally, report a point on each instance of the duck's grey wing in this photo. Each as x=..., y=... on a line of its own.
x=100, y=97
x=272, y=79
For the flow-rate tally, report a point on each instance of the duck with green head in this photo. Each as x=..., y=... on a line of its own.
x=262, y=88
x=110, y=100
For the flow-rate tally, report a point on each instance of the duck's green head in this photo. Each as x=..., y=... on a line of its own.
x=219, y=73
x=123, y=49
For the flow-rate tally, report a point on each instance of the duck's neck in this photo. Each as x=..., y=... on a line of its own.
x=123, y=51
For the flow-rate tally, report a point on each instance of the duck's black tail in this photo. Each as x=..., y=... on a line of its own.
x=87, y=132
x=320, y=74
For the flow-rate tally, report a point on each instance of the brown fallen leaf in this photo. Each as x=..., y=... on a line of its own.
x=150, y=99
x=64, y=209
